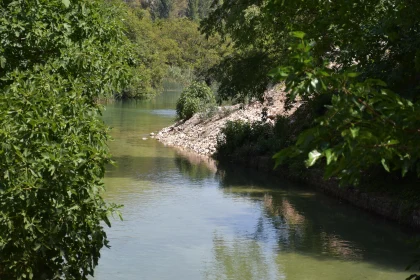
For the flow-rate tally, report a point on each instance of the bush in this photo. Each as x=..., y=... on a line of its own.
x=57, y=57
x=195, y=98
x=243, y=141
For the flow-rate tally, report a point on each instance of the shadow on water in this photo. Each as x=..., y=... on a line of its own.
x=312, y=224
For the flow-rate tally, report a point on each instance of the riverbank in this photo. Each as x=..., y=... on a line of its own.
x=200, y=135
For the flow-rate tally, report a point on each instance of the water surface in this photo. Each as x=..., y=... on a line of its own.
x=184, y=219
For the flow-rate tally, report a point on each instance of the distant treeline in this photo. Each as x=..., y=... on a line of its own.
x=167, y=44
x=160, y=9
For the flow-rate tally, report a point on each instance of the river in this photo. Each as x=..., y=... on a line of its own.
x=184, y=219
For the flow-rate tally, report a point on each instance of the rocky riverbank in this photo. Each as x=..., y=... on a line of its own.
x=199, y=134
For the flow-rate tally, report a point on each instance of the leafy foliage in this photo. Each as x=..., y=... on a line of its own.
x=258, y=47
x=170, y=49
x=241, y=78
x=195, y=98
x=192, y=11
x=361, y=55
x=243, y=142
x=164, y=9
x=365, y=125
x=57, y=58
x=380, y=36
x=149, y=67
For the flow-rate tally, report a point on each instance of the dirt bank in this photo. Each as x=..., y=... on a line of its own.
x=199, y=134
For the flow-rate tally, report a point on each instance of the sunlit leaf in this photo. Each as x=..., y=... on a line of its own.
x=66, y=3
x=313, y=157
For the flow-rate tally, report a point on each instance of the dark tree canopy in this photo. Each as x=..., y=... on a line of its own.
x=362, y=55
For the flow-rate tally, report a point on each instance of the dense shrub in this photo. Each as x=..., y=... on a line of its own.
x=242, y=140
x=57, y=57
x=195, y=98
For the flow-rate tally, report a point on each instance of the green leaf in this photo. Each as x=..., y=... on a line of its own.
x=66, y=3
x=281, y=156
x=298, y=34
x=355, y=132
x=313, y=157
x=352, y=74
x=385, y=165
x=404, y=168
x=330, y=156
x=37, y=246
x=2, y=62
x=393, y=142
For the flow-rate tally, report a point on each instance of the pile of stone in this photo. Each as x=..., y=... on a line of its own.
x=199, y=134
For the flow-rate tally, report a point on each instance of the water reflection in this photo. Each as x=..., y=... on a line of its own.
x=314, y=225
x=240, y=259
x=194, y=166
x=299, y=220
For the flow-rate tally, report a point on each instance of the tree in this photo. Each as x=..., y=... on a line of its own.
x=57, y=57
x=192, y=10
x=365, y=125
x=361, y=54
x=161, y=8
x=379, y=35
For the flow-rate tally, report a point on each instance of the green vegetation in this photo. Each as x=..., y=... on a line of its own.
x=361, y=57
x=167, y=46
x=365, y=125
x=57, y=57
x=243, y=141
x=197, y=97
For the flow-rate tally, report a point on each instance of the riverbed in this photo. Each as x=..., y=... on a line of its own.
x=186, y=219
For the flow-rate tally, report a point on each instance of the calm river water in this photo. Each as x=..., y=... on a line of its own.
x=185, y=220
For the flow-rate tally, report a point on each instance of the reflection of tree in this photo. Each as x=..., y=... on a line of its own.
x=240, y=259
x=297, y=234
x=311, y=224
x=194, y=166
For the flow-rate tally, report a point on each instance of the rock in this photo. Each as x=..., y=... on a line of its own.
x=201, y=134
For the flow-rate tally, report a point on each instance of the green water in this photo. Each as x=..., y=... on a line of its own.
x=183, y=219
